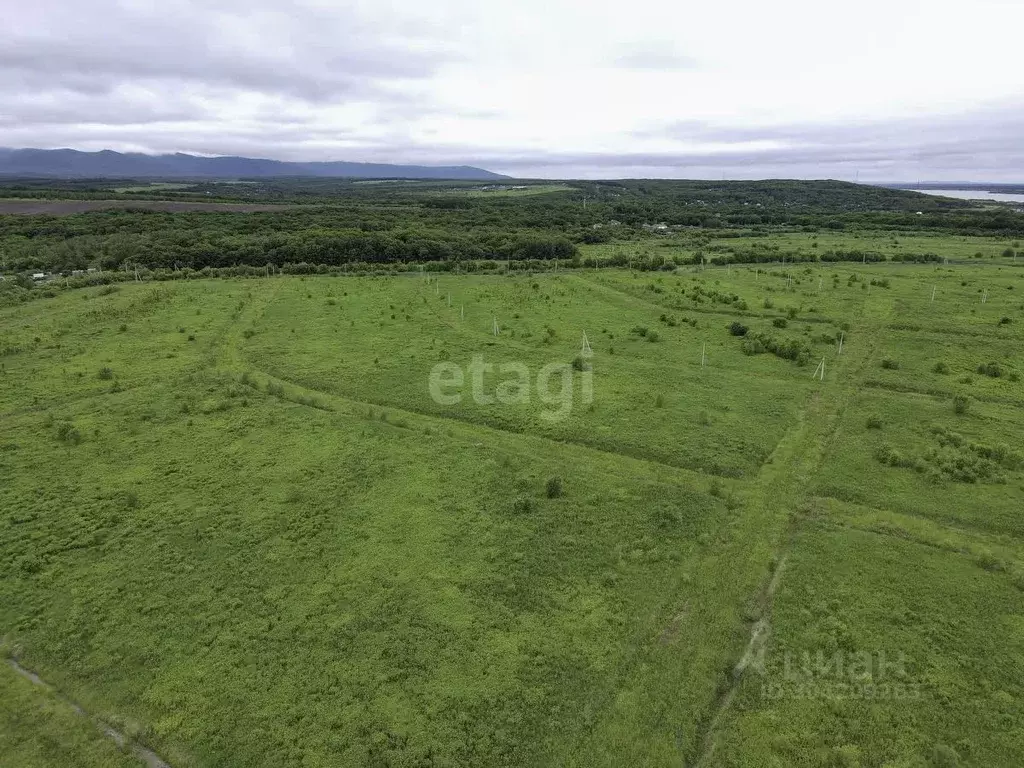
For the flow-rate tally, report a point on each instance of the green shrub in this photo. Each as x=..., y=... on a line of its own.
x=788, y=349
x=889, y=456
x=554, y=487
x=738, y=329
x=961, y=404
x=874, y=422
x=67, y=433
x=780, y=322
x=993, y=370
x=106, y=373
x=523, y=505
x=752, y=345
x=941, y=368
x=890, y=364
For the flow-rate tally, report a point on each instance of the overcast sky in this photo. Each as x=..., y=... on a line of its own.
x=875, y=89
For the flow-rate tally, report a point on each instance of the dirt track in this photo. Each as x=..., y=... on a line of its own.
x=66, y=207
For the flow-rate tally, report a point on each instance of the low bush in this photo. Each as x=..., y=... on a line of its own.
x=788, y=349
x=992, y=370
x=67, y=433
x=523, y=505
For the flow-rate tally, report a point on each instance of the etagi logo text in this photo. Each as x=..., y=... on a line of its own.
x=512, y=383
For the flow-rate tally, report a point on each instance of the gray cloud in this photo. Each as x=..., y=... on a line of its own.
x=304, y=53
x=299, y=81
x=32, y=111
x=993, y=128
x=985, y=145
x=979, y=145
x=659, y=57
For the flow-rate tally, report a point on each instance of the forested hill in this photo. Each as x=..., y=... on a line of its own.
x=109, y=164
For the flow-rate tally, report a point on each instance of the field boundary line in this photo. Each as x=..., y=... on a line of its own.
x=692, y=474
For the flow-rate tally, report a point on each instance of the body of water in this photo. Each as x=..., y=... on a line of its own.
x=974, y=194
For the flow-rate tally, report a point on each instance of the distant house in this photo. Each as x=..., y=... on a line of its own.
x=39, y=276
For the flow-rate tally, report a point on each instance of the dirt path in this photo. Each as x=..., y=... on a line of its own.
x=779, y=491
x=148, y=756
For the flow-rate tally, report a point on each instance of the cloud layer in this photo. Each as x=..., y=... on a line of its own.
x=893, y=89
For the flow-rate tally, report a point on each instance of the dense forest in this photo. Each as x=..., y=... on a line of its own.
x=334, y=222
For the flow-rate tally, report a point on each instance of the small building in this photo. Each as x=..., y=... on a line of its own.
x=39, y=276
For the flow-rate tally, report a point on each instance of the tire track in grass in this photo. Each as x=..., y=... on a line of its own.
x=780, y=491
x=146, y=755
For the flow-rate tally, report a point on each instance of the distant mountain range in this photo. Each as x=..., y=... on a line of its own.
x=71, y=163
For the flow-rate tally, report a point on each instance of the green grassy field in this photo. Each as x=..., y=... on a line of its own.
x=237, y=525
x=957, y=248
